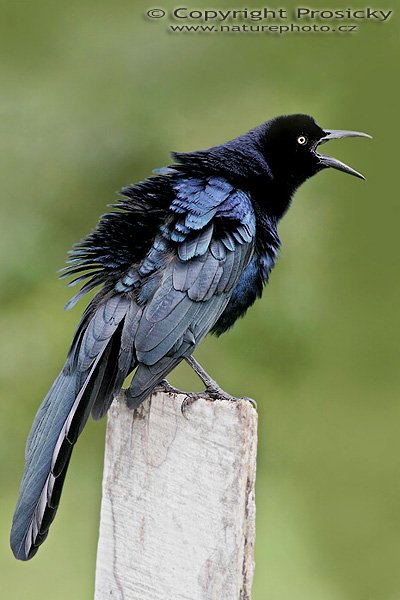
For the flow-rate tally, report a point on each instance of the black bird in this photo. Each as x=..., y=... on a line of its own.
x=184, y=253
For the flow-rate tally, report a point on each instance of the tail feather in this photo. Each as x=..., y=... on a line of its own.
x=111, y=379
x=57, y=426
x=39, y=455
x=121, y=361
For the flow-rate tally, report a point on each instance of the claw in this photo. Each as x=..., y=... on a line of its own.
x=215, y=393
x=165, y=386
x=251, y=400
x=186, y=402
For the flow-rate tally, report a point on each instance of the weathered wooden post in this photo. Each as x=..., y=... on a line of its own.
x=178, y=507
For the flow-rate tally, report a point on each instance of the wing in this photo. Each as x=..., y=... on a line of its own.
x=191, y=272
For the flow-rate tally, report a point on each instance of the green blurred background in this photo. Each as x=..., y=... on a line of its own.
x=94, y=96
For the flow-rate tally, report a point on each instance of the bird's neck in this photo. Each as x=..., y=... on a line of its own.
x=274, y=197
x=243, y=164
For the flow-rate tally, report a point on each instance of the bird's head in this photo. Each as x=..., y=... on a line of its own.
x=291, y=147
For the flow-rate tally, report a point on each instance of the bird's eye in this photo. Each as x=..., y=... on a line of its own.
x=302, y=140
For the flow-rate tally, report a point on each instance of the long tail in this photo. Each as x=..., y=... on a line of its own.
x=89, y=379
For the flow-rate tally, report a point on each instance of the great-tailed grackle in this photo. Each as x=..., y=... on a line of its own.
x=184, y=253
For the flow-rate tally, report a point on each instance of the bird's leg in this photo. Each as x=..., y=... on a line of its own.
x=212, y=387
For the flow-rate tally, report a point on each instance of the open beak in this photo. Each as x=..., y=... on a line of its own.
x=329, y=161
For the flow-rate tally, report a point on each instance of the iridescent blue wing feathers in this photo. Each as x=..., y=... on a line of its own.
x=168, y=262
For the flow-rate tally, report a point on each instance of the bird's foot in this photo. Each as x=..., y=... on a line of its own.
x=165, y=386
x=214, y=393
x=213, y=390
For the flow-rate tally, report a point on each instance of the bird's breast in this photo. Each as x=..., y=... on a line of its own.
x=247, y=290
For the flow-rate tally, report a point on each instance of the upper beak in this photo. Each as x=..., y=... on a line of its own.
x=329, y=161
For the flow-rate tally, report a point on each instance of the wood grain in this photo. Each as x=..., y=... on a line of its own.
x=178, y=506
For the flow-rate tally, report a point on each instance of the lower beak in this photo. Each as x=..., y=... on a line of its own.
x=329, y=161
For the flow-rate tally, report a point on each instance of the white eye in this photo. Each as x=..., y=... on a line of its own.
x=302, y=140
